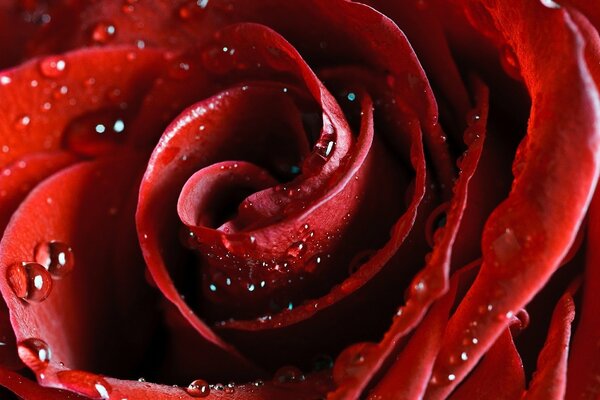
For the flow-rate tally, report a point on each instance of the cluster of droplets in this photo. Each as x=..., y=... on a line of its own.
x=32, y=281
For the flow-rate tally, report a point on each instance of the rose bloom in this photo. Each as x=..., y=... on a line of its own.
x=299, y=199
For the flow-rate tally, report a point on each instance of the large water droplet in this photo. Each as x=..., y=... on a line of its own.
x=506, y=246
x=288, y=374
x=351, y=362
x=53, y=66
x=57, y=257
x=103, y=32
x=29, y=281
x=85, y=383
x=35, y=353
x=198, y=388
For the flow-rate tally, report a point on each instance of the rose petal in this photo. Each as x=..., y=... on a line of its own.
x=432, y=281
x=29, y=390
x=498, y=375
x=550, y=379
x=95, y=201
x=583, y=363
x=542, y=241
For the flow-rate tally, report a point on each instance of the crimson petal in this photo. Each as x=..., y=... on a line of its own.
x=532, y=227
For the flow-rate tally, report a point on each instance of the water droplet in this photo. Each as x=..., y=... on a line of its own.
x=322, y=362
x=52, y=67
x=550, y=4
x=230, y=388
x=57, y=257
x=258, y=383
x=85, y=383
x=35, y=353
x=325, y=148
x=22, y=122
x=179, y=68
x=313, y=263
x=29, y=281
x=198, y=388
x=351, y=362
x=297, y=250
x=103, y=32
x=5, y=80
x=288, y=374
x=506, y=246
x=510, y=62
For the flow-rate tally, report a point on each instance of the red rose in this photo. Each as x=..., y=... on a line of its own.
x=299, y=199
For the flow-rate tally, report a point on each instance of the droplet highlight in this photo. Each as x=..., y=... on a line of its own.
x=57, y=257
x=29, y=281
x=35, y=353
x=198, y=388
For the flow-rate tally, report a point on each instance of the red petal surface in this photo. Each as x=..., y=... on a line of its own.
x=550, y=379
x=532, y=227
x=584, y=367
x=498, y=375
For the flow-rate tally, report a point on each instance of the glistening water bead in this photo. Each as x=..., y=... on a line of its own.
x=57, y=257
x=198, y=388
x=29, y=281
x=35, y=353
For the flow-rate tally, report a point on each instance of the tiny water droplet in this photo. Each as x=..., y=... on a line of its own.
x=322, y=362
x=29, y=281
x=103, y=32
x=351, y=361
x=230, y=388
x=198, y=388
x=288, y=374
x=297, y=250
x=5, y=80
x=510, y=62
x=258, y=383
x=85, y=383
x=57, y=257
x=22, y=122
x=52, y=67
x=35, y=353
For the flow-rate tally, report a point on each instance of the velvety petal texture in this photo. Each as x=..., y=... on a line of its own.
x=309, y=199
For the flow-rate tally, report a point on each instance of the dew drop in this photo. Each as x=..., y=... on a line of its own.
x=35, y=353
x=29, y=281
x=510, y=62
x=324, y=148
x=550, y=4
x=198, y=388
x=57, y=257
x=230, y=388
x=22, y=122
x=322, y=362
x=297, y=250
x=506, y=246
x=103, y=32
x=5, y=80
x=288, y=374
x=351, y=362
x=85, y=383
x=52, y=67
